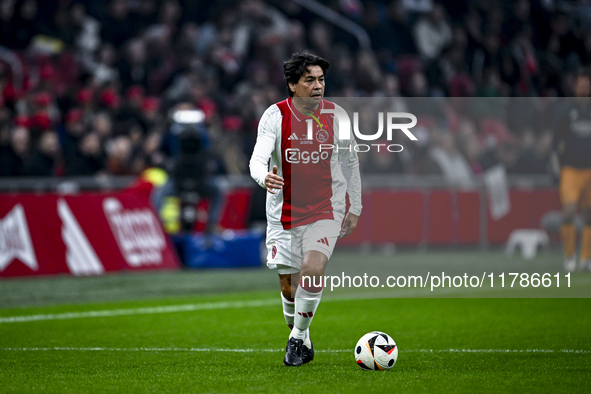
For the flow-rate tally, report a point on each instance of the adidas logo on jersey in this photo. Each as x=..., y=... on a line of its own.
x=323, y=241
x=293, y=136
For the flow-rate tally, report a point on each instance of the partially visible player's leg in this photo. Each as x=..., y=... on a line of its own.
x=585, y=258
x=289, y=285
x=288, y=294
x=307, y=298
x=284, y=255
x=318, y=242
x=296, y=353
x=568, y=234
x=570, y=192
x=309, y=292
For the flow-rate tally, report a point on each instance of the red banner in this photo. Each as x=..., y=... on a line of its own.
x=83, y=234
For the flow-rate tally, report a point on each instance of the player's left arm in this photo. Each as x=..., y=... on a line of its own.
x=350, y=168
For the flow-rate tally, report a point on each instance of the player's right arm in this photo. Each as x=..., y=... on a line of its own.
x=263, y=149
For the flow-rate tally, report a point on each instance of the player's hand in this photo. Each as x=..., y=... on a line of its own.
x=273, y=181
x=349, y=225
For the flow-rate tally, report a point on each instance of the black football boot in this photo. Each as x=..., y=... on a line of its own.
x=307, y=354
x=293, y=353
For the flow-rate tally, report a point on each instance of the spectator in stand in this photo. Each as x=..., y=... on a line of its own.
x=368, y=74
x=563, y=48
x=382, y=161
x=174, y=50
x=85, y=99
x=487, y=56
x=585, y=53
x=14, y=155
x=221, y=55
x=71, y=134
x=391, y=88
x=259, y=26
x=451, y=64
x=128, y=114
x=8, y=25
x=5, y=120
x=46, y=159
x=418, y=6
x=103, y=125
x=401, y=40
x=506, y=152
x=27, y=26
x=120, y=24
x=87, y=30
x=44, y=111
x=133, y=67
x=103, y=70
x=161, y=59
x=109, y=99
x=432, y=33
x=296, y=38
x=150, y=116
x=534, y=157
x=320, y=36
x=88, y=159
x=469, y=146
x=169, y=15
x=146, y=135
x=492, y=85
x=119, y=155
x=449, y=162
x=524, y=55
x=150, y=153
x=342, y=68
x=519, y=17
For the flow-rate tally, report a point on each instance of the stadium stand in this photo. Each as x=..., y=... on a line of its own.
x=86, y=85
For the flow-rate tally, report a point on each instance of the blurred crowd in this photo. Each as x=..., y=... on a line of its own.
x=87, y=86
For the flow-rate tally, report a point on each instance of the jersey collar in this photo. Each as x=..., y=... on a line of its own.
x=301, y=116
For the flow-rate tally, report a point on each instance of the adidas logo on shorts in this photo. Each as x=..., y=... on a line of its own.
x=323, y=241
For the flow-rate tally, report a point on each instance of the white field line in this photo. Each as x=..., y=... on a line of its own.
x=141, y=311
x=222, y=350
x=147, y=310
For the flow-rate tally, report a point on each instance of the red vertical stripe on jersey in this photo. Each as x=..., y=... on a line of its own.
x=307, y=190
x=285, y=165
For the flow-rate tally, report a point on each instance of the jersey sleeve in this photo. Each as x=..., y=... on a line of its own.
x=264, y=146
x=350, y=168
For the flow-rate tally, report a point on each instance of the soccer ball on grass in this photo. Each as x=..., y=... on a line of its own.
x=376, y=351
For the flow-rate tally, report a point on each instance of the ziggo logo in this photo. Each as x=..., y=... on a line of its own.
x=296, y=156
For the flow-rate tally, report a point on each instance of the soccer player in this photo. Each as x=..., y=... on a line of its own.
x=307, y=170
x=573, y=145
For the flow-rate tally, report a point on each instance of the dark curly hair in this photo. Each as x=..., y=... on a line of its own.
x=297, y=65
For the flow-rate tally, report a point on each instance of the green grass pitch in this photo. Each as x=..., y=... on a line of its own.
x=233, y=341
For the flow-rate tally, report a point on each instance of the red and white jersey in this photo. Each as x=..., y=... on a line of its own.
x=317, y=172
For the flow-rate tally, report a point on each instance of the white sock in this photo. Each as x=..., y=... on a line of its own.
x=288, y=310
x=307, y=341
x=306, y=304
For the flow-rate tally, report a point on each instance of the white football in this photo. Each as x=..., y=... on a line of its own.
x=376, y=351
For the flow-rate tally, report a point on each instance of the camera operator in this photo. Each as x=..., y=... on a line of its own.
x=190, y=166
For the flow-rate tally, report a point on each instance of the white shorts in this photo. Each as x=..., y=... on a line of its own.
x=286, y=248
